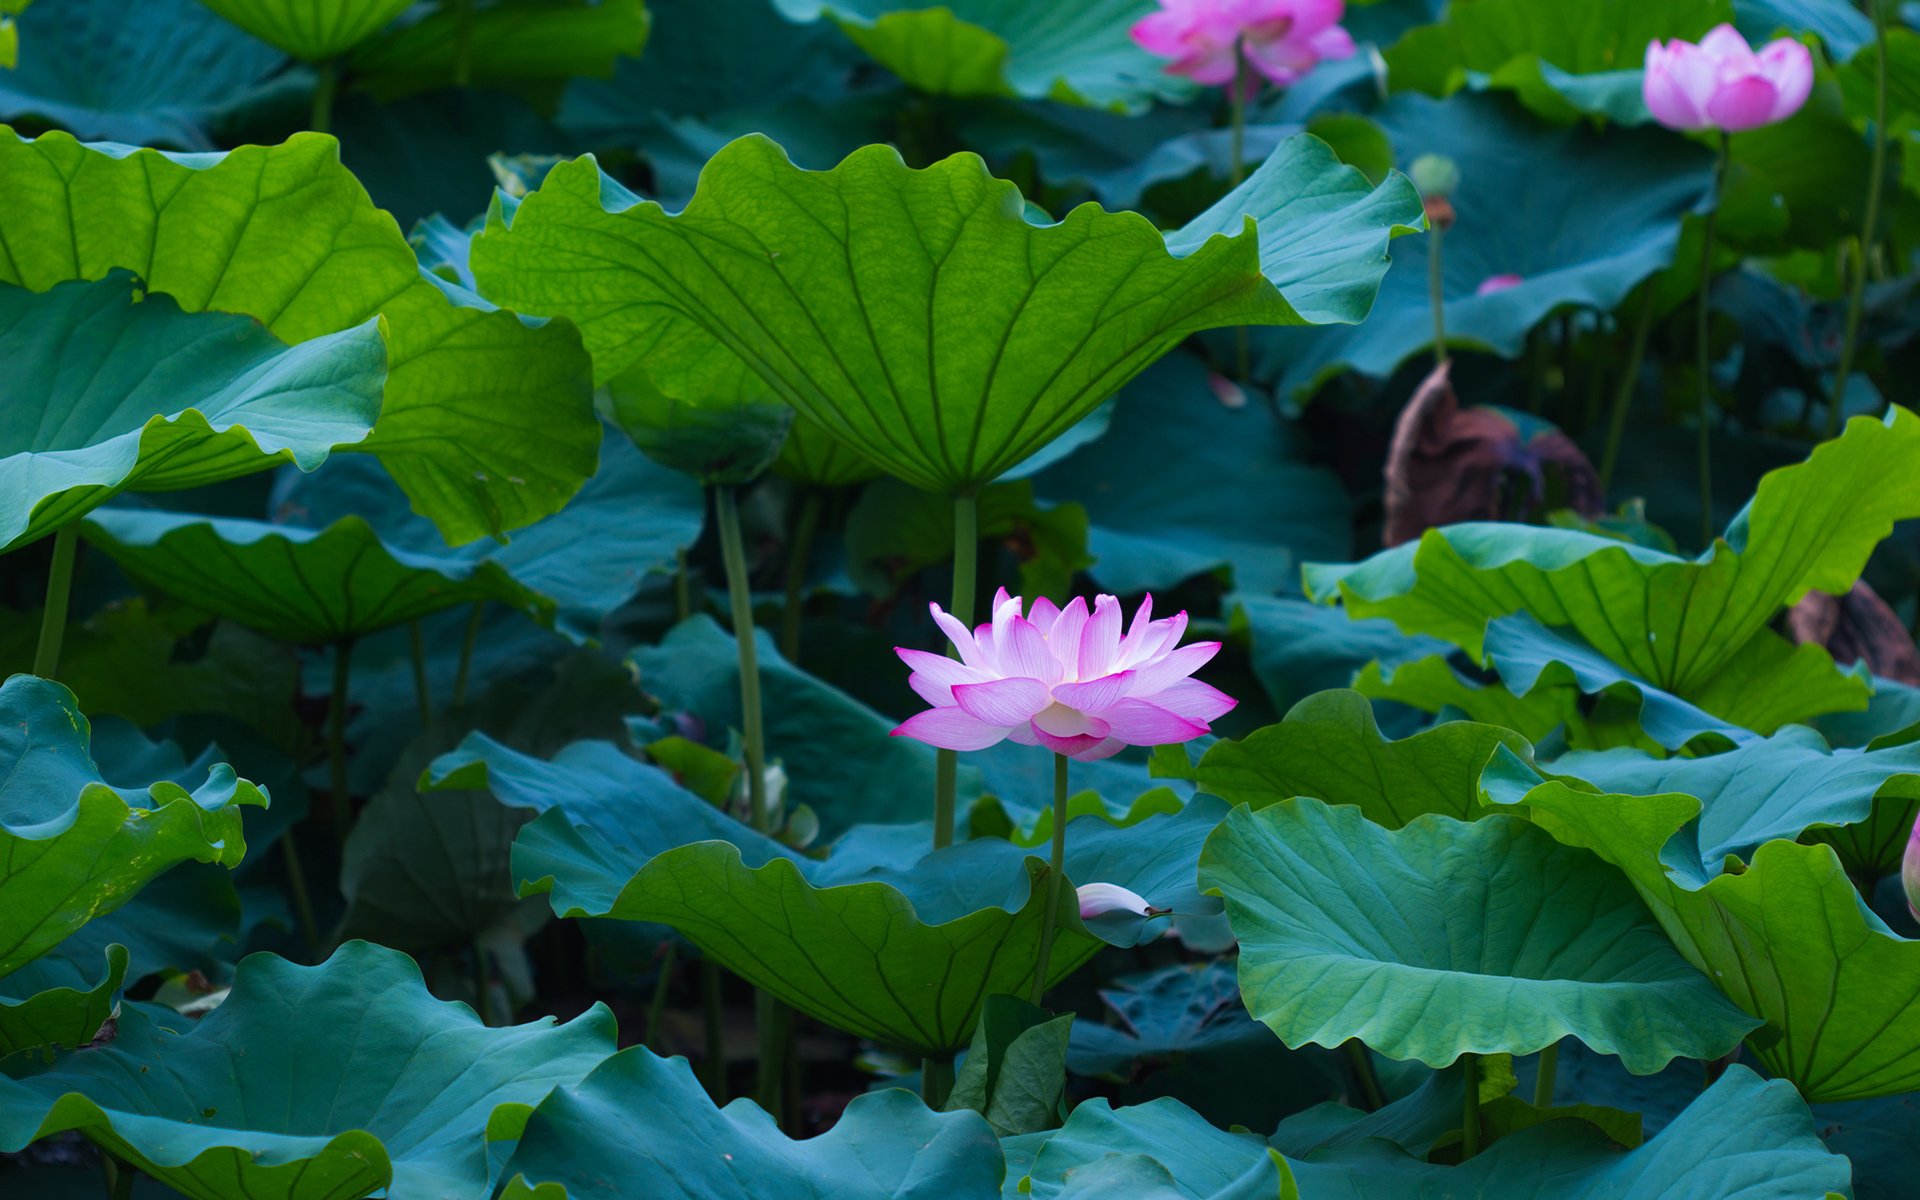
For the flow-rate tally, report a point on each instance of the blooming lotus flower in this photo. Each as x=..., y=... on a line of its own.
x=1281, y=39
x=1910, y=872
x=1063, y=678
x=1722, y=84
x=1497, y=283
x=1099, y=899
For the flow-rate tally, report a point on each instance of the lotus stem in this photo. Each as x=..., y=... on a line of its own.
x=682, y=586
x=325, y=84
x=1437, y=290
x=1623, y=397
x=302, y=899
x=337, y=739
x=53, y=619
x=716, y=1032
x=466, y=652
x=771, y=1020
x=119, y=1177
x=1236, y=172
x=966, y=553
x=1470, y=1108
x=1703, y=362
x=1877, y=168
x=1543, y=1079
x=657, y=1004
x=799, y=553
x=422, y=690
x=1367, y=1077
x=1056, y=870
x=936, y=1082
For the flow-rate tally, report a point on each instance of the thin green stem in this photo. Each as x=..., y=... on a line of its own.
x=1623, y=398
x=1703, y=361
x=1869, y=224
x=53, y=619
x=799, y=553
x=119, y=1177
x=463, y=43
x=1543, y=1080
x=1470, y=1107
x=1369, y=1079
x=302, y=899
x=1056, y=871
x=466, y=652
x=772, y=1019
x=1437, y=291
x=936, y=1082
x=325, y=85
x=422, y=690
x=657, y=1004
x=682, y=586
x=337, y=739
x=966, y=563
x=716, y=1031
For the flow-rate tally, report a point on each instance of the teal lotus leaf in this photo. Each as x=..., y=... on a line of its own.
x=1350, y=930
x=383, y=1087
x=112, y=391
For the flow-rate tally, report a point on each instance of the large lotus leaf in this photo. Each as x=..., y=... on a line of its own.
x=375, y=565
x=1581, y=216
x=1149, y=487
x=76, y=847
x=308, y=30
x=639, y=1116
x=59, y=1015
x=727, y=436
x=837, y=755
x=1330, y=747
x=1743, y=1139
x=1076, y=51
x=955, y=359
x=1433, y=685
x=1563, y=62
x=487, y=420
x=1448, y=937
x=1780, y=787
x=155, y=72
x=513, y=44
x=1695, y=628
x=1786, y=938
x=112, y=391
x=1300, y=648
x=308, y=1083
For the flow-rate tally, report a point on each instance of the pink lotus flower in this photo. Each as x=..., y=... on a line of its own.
x=1910, y=872
x=1722, y=84
x=1063, y=679
x=1282, y=39
x=1498, y=283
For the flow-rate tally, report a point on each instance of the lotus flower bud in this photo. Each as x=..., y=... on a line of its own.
x=1722, y=84
x=1909, y=872
x=1435, y=175
x=1099, y=899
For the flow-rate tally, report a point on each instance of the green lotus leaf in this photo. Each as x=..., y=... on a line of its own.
x=313, y=585
x=1015, y=1072
x=1182, y=1010
x=58, y=1016
x=1147, y=484
x=1432, y=684
x=310, y=31
x=510, y=44
x=1530, y=203
x=76, y=847
x=1428, y=1115
x=1301, y=648
x=1877, y=1137
x=1780, y=787
x=383, y=1087
x=1351, y=930
x=1743, y=1139
x=1077, y=51
x=1694, y=628
x=1844, y=28
x=1562, y=63
x=954, y=362
x=155, y=73
x=487, y=420
x=112, y=391
x=1785, y=936
x=641, y=1116
x=1330, y=747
